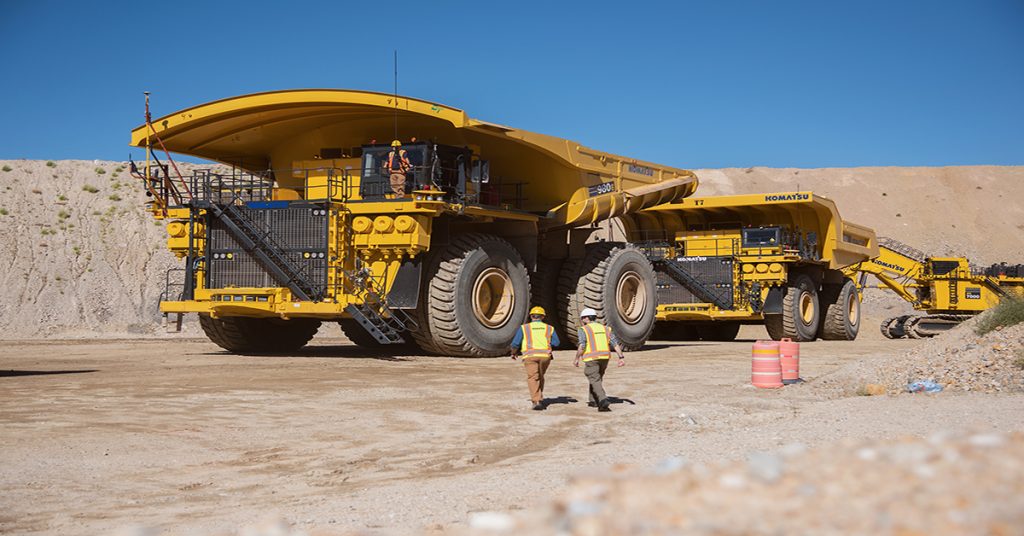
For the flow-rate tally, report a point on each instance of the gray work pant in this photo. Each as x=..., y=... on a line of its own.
x=594, y=370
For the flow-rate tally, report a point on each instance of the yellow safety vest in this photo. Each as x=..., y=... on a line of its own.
x=597, y=342
x=536, y=340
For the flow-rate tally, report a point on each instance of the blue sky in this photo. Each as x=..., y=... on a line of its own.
x=690, y=84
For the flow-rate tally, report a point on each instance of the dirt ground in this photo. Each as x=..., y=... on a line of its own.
x=180, y=436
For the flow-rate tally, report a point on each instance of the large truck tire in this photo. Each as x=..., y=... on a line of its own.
x=800, y=312
x=245, y=335
x=543, y=293
x=667, y=330
x=617, y=281
x=474, y=299
x=841, y=318
x=719, y=331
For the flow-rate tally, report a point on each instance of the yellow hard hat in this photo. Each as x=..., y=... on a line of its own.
x=537, y=311
x=396, y=143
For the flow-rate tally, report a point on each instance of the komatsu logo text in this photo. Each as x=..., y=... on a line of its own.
x=893, y=267
x=787, y=197
x=643, y=170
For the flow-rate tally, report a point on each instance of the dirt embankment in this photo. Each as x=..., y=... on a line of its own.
x=80, y=256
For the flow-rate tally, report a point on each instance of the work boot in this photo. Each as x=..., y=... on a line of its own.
x=592, y=404
x=539, y=406
x=603, y=405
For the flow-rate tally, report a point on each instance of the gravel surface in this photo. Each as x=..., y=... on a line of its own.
x=959, y=360
x=945, y=484
x=187, y=439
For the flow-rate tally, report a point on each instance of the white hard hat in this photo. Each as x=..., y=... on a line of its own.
x=588, y=312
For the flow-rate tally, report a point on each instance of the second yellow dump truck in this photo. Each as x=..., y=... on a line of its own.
x=308, y=223
x=771, y=258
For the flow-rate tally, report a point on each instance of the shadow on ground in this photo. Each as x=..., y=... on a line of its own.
x=13, y=373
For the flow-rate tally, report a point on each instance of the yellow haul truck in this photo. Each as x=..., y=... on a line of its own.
x=947, y=289
x=774, y=258
x=305, y=227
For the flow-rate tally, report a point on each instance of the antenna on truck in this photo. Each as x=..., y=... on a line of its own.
x=396, y=94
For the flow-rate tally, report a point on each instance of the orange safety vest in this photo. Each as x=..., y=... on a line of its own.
x=401, y=159
x=598, y=346
x=536, y=340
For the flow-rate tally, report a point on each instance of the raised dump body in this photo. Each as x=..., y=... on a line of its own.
x=948, y=290
x=310, y=224
x=772, y=258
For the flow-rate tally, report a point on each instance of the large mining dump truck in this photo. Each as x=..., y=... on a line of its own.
x=948, y=290
x=301, y=227
x=771, y=258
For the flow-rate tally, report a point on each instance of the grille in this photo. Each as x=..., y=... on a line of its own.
x=299, y=230
x=716, y=273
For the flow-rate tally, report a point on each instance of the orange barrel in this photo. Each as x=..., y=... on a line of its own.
x=789, y=356
x=765, y=368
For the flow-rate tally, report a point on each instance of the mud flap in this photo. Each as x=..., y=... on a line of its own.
x=405, y=291
x=773, y=303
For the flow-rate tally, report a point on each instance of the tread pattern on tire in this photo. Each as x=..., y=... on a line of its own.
x=258, y=335
x=783, y=325
x=581, y=285
x=834, y=320
x=439, y=327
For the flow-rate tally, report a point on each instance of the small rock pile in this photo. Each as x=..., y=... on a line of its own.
x=968, y=484
x=960, y=360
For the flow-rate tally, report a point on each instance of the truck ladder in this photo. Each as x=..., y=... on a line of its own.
x=373, y=314
x=694, y=285
x=262, y=243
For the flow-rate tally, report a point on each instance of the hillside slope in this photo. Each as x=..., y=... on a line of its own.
x=80, y=257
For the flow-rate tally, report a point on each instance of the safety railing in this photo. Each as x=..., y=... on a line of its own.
x=174, y=285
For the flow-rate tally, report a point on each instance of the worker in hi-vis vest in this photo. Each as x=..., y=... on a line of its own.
x=534, y=342
x=596, y=344
x=398, y=165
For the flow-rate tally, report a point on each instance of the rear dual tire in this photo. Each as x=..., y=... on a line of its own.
x=841, y=319
x=800, y=312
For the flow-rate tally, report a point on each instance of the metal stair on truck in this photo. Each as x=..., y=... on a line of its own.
x=694, y=285
x=262, y=244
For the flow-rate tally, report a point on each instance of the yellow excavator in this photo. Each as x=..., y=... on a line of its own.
x=947, y=289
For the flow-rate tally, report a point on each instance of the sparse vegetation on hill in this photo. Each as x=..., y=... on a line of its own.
x=1008, y=313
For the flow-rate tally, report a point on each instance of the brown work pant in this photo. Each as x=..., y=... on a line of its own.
x=594, y=371
x=398, y=184
x=535, y=369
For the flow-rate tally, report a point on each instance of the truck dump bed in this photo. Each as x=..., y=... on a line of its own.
x=562, y=180
x=842, y=243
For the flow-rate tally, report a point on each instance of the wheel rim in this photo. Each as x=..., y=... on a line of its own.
x=854, y=310
x=493, y=299
x=631, y=297
x=807, y=308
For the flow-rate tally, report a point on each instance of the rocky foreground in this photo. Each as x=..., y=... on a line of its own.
x=938, y=485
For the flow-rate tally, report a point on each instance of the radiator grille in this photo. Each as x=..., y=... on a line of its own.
x=300, y=231
x=716, y=273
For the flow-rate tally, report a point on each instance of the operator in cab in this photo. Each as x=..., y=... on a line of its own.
x=398, y=166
